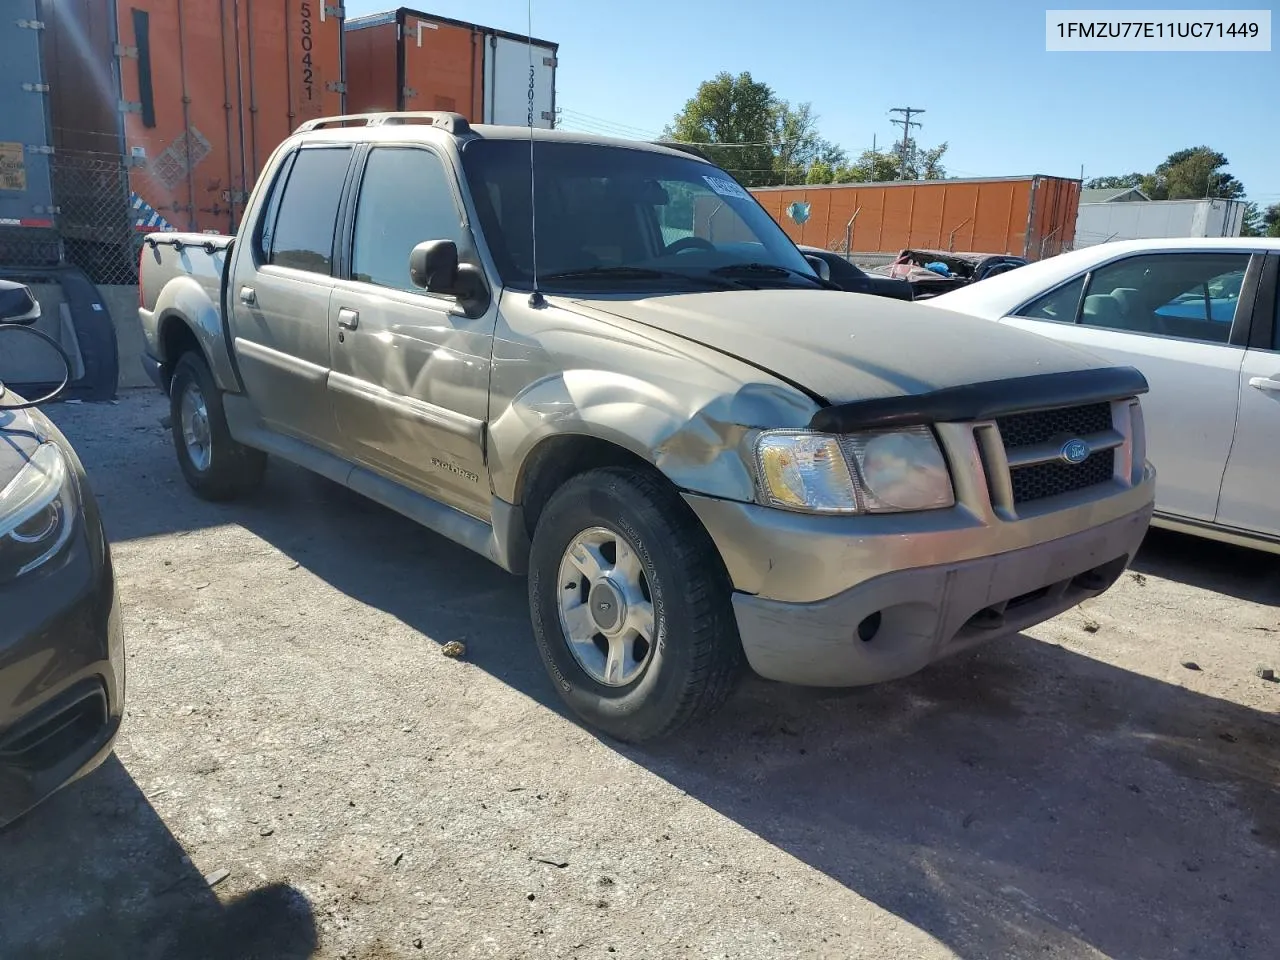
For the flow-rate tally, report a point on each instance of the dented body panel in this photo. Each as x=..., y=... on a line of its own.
x=453, y=409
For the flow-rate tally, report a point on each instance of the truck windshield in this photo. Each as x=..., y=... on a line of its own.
x=622, y=218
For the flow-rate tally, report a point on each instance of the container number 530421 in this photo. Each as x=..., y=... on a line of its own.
x=308, y=41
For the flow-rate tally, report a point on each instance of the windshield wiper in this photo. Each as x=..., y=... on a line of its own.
x=635, y=273
x=769, y=270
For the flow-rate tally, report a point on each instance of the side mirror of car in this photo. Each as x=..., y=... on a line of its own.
x=18, y=304
x=433, y=266
x=820, y=266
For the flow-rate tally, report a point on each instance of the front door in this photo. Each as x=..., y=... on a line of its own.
x=410, y=380
x=1170, y=315
x=280, y=295
x=1250, y=500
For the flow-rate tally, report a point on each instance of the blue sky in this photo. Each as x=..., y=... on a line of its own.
x=979, y=69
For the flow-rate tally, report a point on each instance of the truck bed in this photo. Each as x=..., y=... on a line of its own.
x=200, y=256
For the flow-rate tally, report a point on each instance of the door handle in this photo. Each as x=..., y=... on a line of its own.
x=1264, y=383
x=248, y=296
x=348, y=319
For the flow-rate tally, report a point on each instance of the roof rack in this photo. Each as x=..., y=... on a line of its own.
x=454, y=123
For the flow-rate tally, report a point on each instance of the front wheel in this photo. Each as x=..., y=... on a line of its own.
x=631, y=606
x=215, y=466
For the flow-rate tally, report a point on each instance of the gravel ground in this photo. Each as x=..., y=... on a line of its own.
x=303, y=773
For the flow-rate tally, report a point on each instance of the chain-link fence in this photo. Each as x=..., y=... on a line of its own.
x=96, y=221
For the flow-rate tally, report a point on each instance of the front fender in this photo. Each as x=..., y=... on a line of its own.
x=692, y=436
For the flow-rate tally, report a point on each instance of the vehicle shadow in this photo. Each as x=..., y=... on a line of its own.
x=1235, y=571
x=94, y=874
x=1018, y=798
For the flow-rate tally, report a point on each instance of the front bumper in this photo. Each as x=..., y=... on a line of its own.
x=62, y=671
x=824, y=601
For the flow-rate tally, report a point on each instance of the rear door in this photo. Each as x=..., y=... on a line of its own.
x=1249, y=498
x=280, y=298
x=410, y=380
x=1151, y=311
x=520, y=83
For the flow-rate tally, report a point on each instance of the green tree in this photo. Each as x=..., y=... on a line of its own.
x=758, y=137
x=1265, y=223
x=734, y=110
x=1115, y=183
x=1192, y=174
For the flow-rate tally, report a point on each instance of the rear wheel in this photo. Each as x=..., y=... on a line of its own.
x=215, y=466
x=631, y=606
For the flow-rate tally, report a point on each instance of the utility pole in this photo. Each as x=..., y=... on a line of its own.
x=906, y=123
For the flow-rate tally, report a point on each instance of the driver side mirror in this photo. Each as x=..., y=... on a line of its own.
x=434, y=267
x=820, y=266
x=18, y=304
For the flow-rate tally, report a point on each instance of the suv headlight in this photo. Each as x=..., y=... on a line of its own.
x=37, y=512
x=890, y=471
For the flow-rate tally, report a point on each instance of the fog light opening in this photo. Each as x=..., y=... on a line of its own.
x=869, y=627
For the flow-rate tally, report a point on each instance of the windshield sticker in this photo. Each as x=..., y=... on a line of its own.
x=726, y=188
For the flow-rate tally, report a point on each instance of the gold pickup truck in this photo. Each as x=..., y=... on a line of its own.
x=601, y=364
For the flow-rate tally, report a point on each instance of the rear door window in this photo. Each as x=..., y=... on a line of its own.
x=302, y=236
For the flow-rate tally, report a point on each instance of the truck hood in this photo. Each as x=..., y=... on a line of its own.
x=849, y=347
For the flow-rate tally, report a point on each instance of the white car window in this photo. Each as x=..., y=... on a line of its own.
x=1192, y=296
x=1061, y=304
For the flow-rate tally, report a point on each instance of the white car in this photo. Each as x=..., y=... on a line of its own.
x=1199, y=317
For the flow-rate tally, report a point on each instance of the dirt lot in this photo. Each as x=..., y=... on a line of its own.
x=1073, y=793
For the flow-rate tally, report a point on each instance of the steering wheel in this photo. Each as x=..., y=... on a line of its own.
x=689, y=243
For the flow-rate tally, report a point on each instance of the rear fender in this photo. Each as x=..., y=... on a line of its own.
x=183, y=300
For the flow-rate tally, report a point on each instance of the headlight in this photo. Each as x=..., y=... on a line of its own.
x=882, y=472
x=37, y=513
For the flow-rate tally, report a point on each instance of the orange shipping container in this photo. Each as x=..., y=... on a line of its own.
x=406, y=60
x=1032, y=216
x=191, y=95
x=403, y=60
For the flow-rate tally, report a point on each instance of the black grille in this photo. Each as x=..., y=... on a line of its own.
x=1041, y=426
x=1050, y=479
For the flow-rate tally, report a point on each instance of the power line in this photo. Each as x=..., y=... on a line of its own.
x=906, y=123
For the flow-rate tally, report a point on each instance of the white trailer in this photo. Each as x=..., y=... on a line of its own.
x=1148, y=219
x=520, y=82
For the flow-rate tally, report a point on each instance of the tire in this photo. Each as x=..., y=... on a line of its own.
x=215, y=466
x=693, y=658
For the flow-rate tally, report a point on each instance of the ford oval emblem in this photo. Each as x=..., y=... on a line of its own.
x=1074, y=451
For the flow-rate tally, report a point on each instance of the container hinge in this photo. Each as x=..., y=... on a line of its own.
x=551, y=61
x=235, y=196
x=336, y=86
x=36, y=87
x=548, y=115
x=129, y=106
x=335, y=10
x=132, y=162
x=122, y=51
x=40, y=148
x=409, y=93
x=31, y=24
x=49, y=210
